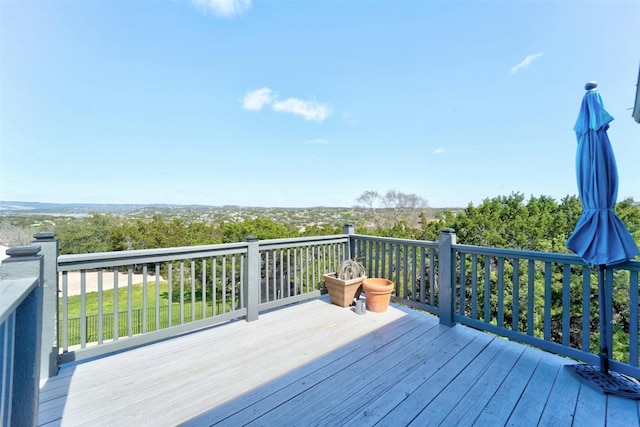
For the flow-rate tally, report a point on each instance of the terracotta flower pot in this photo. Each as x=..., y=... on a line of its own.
x=378, y=294
x=343, y=292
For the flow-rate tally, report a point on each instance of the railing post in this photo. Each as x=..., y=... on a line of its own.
x=50, y=251
x=24, y=262
x=349, y=229
x=446, y=283
x=252, y=274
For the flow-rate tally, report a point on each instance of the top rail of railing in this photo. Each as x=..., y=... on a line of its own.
x=572, y=259
x=424, y=243
x=143, y=256
x=295, y=242
x=12, y=294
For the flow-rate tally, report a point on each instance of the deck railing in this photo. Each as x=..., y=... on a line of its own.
x=20, y=334
x=411, y=264
x=543, y=299
x=146, y=295
x=546, y=300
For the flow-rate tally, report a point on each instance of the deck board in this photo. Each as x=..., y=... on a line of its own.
x=317, y=364
x=342, y=361
x=534, y=397
x=478, y=394
x=434, y=383
x=561, y=403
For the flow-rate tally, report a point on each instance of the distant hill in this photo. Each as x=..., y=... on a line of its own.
x=300, y=217
x=34, y=208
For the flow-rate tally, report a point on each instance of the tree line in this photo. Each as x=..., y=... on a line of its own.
x=538, y=223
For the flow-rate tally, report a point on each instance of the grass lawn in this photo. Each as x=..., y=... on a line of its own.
x=74, y=302
x=136, y=295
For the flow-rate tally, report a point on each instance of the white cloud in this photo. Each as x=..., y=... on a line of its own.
x=310, y=110
x=223, y=8
x=255, y=100
x=317, y=141
x=526, y=62
x=439, y=151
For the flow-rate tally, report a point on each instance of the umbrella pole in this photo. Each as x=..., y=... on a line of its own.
x=604, y=334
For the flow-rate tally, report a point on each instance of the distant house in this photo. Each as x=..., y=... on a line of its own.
x=636, y=107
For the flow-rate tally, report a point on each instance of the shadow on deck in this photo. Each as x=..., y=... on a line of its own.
x=316, y=364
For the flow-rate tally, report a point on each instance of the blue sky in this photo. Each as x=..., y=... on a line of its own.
x=307, y=103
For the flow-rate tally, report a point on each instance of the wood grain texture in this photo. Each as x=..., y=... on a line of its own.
x=318, y=364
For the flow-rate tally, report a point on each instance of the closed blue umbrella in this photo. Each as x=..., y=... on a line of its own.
x=600, y=238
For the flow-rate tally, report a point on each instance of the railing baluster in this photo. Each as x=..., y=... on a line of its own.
x=547, y=300
x=224, y=284
x=170, y=291
x=383, y=258
x=463, y=283
x=242, y=296
x=566, y=304
x=487, y=289
x=295, y=290
x=306, y=263
x=414, y=278
x=634, y=319
x=214, y=286
x=323, y=255
x=265, y=288
x=396, y=269
x=432, y=276
x=116, y=320
x=130, y=300
x=531, y=296
x=295, y=270
x=100, y=309
x=515, y=326
x=83, y=308
x=281, y=270
x=500, y=292
x=314, y=274
x=377, y=259
x=203, y=263
x=474, y=286
x=586, y=308
x=145, y=302
x=423, y=274
x=157, y=304
x=234, y=304
x=182, y=308
x=369, y=258
x=274, y=270
x=405, y=271
x=193, y=291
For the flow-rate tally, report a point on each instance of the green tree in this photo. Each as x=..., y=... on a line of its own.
x=262, y=228
x=87, y=234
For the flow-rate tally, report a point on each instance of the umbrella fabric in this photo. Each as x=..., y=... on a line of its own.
x=600, y=237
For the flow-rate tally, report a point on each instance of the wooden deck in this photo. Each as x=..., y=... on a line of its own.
x=314, y=364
